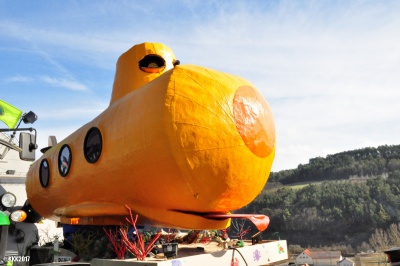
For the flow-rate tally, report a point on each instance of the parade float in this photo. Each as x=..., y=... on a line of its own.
x=180, y=146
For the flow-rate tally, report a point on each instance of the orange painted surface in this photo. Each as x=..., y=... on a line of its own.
x=177, y=145
x=128, y=76
x=253, y=119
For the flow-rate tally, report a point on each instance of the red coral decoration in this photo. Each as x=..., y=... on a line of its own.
x=119, y=246
x=243, y=232
x=224, y=234
x=239, y=228
x=137, y=246
x=205, y=239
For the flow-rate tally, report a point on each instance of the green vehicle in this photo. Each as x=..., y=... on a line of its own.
x=16, y=154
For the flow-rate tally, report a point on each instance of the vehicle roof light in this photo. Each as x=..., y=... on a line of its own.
x=8, y=200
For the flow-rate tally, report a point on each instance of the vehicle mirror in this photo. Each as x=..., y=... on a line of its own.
x=27, y=142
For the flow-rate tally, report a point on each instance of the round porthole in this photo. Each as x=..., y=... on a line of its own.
x=64, y=160
x=44, y=173
x=93, y=145
x=152, y=63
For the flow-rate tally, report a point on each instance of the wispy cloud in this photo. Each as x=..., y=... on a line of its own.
x=18, y=79
x=63, y=83
x=74, y=113
x=336, y=62
x=55, y=82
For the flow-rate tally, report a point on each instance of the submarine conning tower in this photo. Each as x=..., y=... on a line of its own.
x=153, y=59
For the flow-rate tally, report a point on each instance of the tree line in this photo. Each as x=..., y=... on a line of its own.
x=364, y=162
x=356, y=193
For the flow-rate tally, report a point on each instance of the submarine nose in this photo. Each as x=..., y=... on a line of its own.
x=254, y=121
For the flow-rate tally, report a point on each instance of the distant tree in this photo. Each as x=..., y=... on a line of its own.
x=364, y=247
x=379, y=240
x=362, y=162
x=394, y=234
x=393, y=164
x=295, y=249
x=382, y=240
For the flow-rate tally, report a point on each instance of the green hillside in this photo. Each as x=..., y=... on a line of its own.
x=337, y=200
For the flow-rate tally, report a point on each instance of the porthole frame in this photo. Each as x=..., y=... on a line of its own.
x=59, y=160
x=44, y=185
x=144, y=63
x=87, y=157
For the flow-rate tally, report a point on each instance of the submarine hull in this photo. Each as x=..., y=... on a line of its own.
x=192, y=142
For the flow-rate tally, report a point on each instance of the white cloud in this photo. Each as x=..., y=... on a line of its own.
x=64, y=83
x=84, y=113
x=330, y=73
x=19, y=79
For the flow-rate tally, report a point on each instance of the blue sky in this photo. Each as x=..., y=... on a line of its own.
x=328, y=69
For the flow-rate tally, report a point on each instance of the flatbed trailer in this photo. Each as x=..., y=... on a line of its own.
x=264, y=253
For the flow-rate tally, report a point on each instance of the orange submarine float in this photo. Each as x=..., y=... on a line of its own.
x=181, y=145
